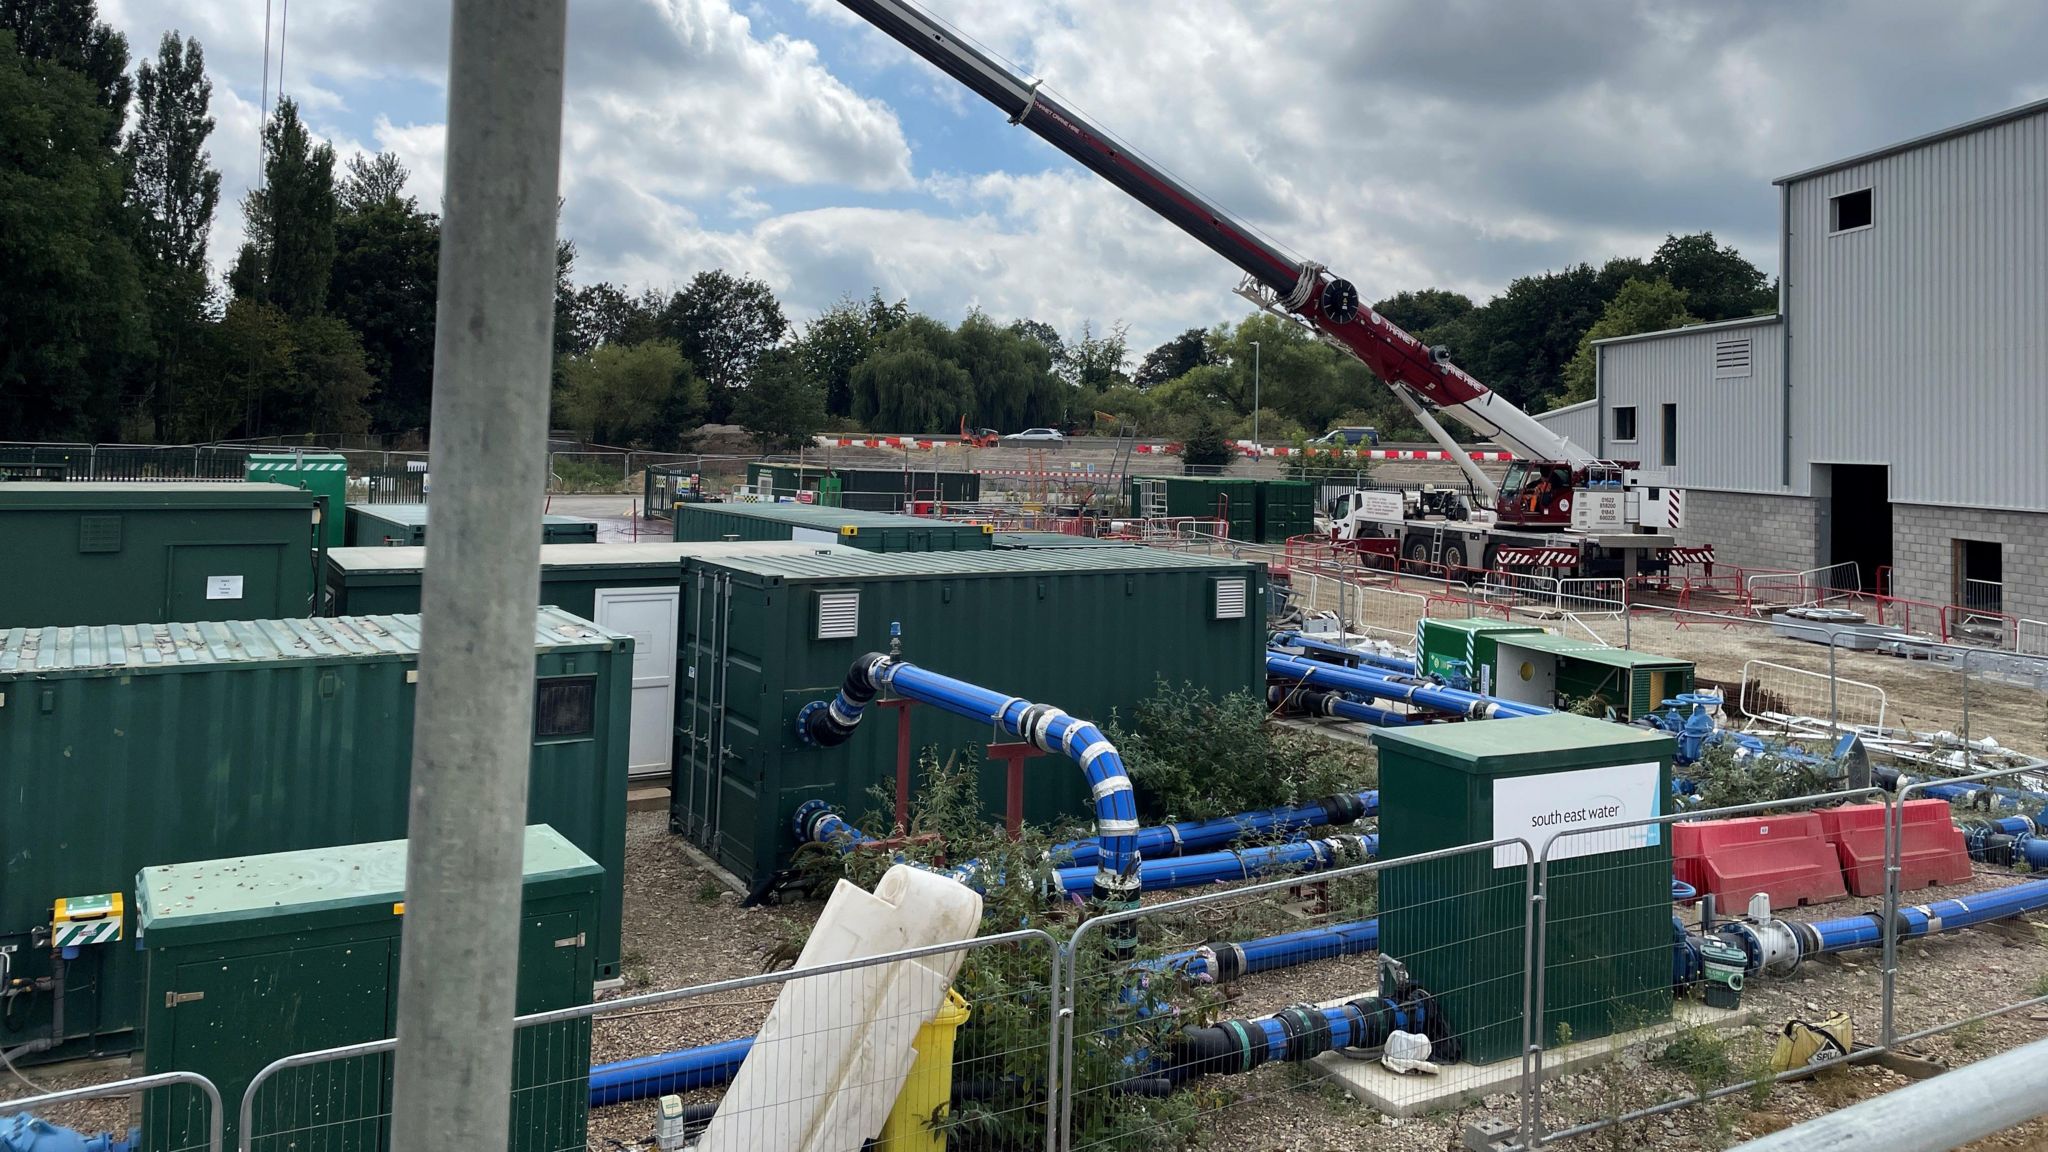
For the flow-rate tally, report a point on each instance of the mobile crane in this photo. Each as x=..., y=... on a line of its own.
x=1558, y=508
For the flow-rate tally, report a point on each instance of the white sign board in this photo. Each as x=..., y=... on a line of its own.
x=1598, y=511
x=1575, y=805
x=813, y=536
x=223, y=587
x=1380, y=505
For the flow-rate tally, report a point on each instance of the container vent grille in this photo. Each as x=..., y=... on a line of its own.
x=1731, y=358
x=1230, y=600
x=99, y=533
x=838, y=615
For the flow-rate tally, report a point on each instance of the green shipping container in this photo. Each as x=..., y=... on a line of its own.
x=810, y=524
x=1560, y=672
x=321, y=473
x=1232, y=499
x=125, y=748
x=865, y=489
x=405, y=525
x=253, y=958
x=1464, y=646
x=1053, y=540
x=1089, y=630
x=1457, y=923
x=129, y=553
x=1286, y=508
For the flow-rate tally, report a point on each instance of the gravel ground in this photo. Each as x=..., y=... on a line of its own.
x=684, y=927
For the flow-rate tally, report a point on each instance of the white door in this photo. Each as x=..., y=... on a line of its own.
x=648, y=615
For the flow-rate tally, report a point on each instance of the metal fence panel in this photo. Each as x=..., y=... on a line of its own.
x=181, y=1110
x=1199, y=1002
x=1793, y=699
x=1004, y=1060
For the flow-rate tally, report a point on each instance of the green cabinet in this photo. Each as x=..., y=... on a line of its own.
x=321, y=473
x=1560, y=672
x=1449, y=648
x=1457, y=922
x=254, y=958
x=85, y=553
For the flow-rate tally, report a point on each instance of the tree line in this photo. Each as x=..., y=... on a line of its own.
x=112, y=326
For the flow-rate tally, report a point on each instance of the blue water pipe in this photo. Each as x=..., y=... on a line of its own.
x=1778, y=946
x=1391, y=687
x=2009, y=840
x=1399, y=664
x=1221, y=963
x=1190, y=836
x=1241, y=864
x=1323, y=702
x=1116, y=880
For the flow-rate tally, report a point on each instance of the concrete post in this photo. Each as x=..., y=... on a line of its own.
x=494, y=335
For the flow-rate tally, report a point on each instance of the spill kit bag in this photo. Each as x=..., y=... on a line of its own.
x=1802, y=1043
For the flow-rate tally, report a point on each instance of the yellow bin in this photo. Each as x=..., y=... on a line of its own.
x=928, y=1091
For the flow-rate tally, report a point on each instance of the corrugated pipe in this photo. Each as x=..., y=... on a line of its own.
x=1312, y=644
x=1191, y=836
x=1116, y=882
x=1779, y=946
x=1323, y=702
x=1368, y=682
x=816, y=823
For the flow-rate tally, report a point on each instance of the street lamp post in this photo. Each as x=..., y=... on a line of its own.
x=1255, y=397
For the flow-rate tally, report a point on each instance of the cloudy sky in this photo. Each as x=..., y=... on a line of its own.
x=1405, y=143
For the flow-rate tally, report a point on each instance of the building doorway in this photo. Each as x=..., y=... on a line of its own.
x=1860, y=522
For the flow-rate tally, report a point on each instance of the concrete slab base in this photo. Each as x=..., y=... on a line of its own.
x=1418, y=1093
x=647, y=798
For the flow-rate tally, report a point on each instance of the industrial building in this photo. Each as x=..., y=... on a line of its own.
x=1891, y=413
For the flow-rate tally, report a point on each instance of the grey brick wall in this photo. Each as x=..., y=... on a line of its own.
x=1923, y=553
x=1751, y=531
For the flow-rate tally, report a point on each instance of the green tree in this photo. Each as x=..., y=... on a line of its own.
x=1044, y=333
x=174, y=189
x=835, y=342
x=605, y=313
x=1424, y=311
x=1718, y=283
x=629, y=394
x=69, y=34
x=238, y=364
x=723, y=323
x=1013, y=384
x=1176, y=357
x=783, y=405
x=1096, y=363
x=911, y=381
x=72, y=306
x=1205, y=447
x=1640, y=306
x=328, y=383
x=288, y=259
x=385, y=285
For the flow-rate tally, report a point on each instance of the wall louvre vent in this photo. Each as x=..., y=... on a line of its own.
x=99, y=533
x=1731, y=358
x=1230, y=599
x=838, y=615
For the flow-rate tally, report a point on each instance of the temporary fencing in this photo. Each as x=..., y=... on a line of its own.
x=181, y=1111
x=1000, y=1012
x=1782, y=697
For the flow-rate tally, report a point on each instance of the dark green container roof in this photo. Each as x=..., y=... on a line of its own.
x=411, y=559
x=132, y=648
x=1476, y=624
x=856, y=565
x=831, y=519
x=1524, y=744
x=1054, y=540
x=318, y=887
x=114, y=495
x=1595, y=653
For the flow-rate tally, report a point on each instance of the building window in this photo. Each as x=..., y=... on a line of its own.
x=1625, y=424
x=564, y=707
x=1849, y=211
x=1732, y=358
x=1669, y=440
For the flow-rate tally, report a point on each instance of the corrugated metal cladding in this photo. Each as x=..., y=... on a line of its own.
x=125, y=747
x=1730, y=426
x=1578, y=423
x=1088, y=630
x=1919, y=342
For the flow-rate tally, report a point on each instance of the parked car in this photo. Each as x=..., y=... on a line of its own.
x=1036, y=436
x=1350, y=437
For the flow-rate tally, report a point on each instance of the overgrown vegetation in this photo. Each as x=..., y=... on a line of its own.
x=1193, y=756
x=1725, y=780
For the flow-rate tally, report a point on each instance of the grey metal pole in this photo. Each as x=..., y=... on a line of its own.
x=494, y=334
x=1255, y=396
x=1934, y=1115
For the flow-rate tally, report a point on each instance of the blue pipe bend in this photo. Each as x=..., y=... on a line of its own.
x=1386, y=686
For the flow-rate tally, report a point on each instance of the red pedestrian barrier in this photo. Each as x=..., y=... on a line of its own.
x=1931, y=847
x=1786, y=857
